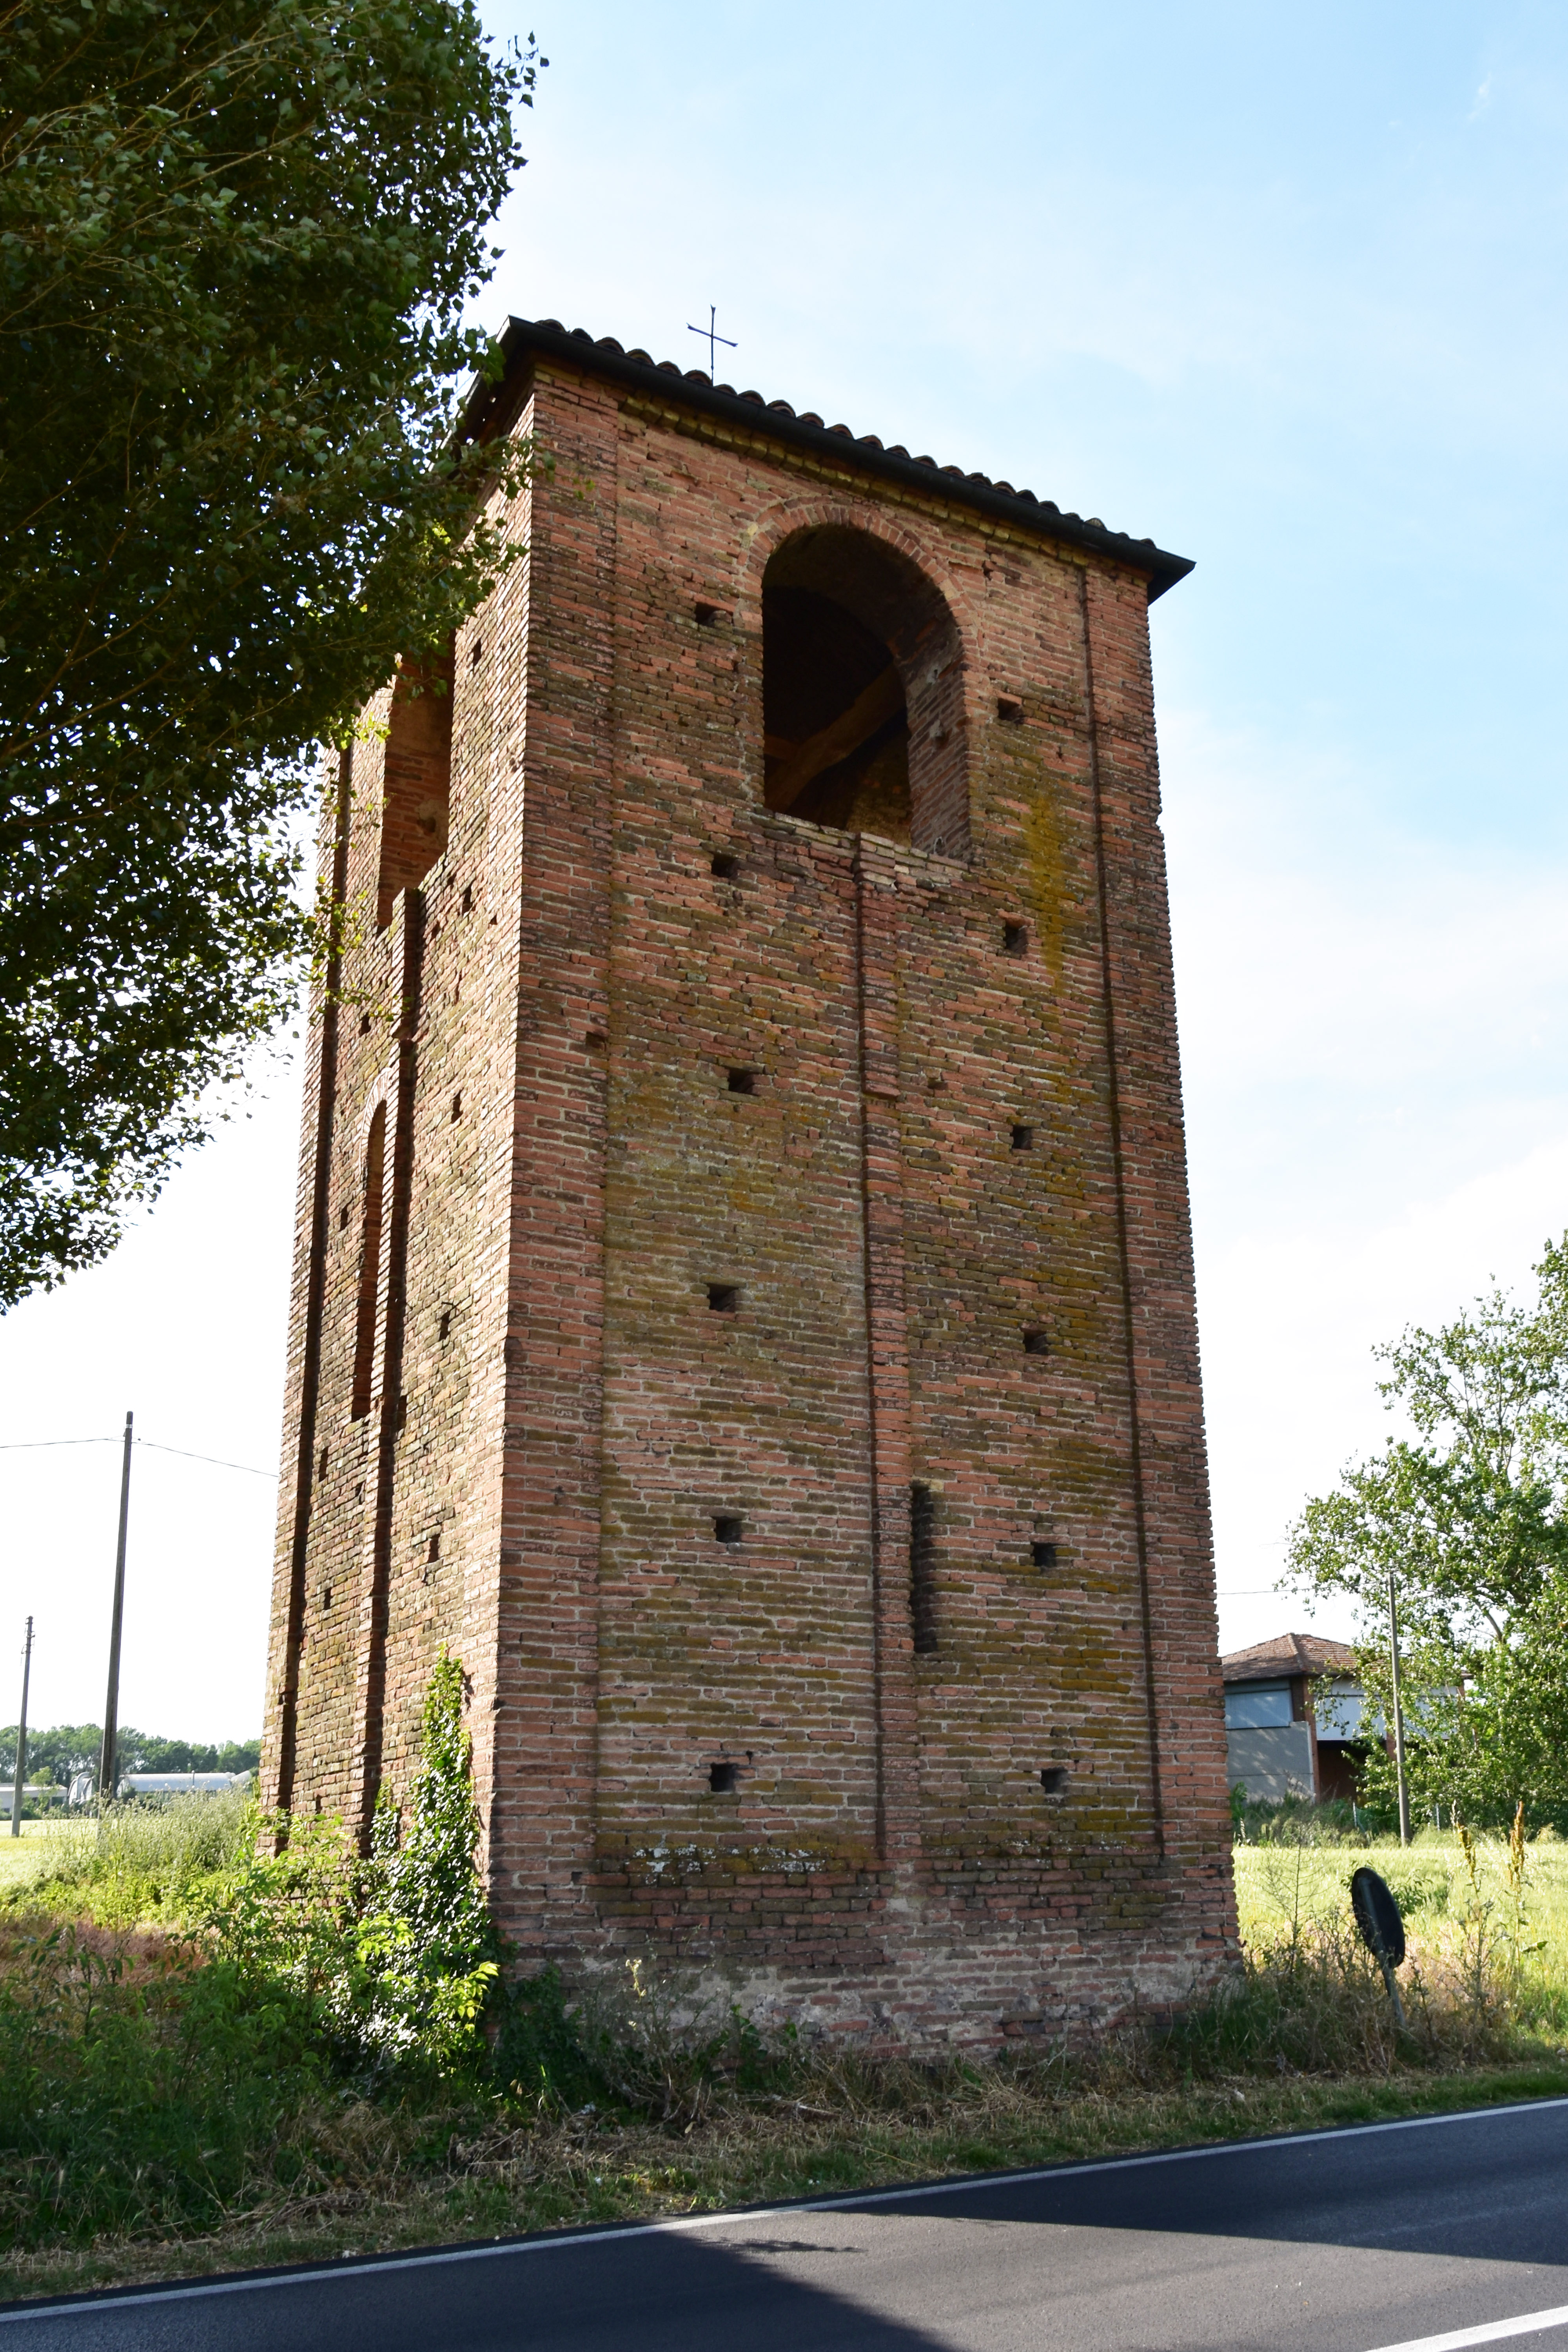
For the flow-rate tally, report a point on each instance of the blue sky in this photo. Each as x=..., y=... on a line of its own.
x=1282, y=289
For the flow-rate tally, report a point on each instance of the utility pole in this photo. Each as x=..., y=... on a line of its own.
x=22, y=1736
x=111, y=1704
x=1398, y=1715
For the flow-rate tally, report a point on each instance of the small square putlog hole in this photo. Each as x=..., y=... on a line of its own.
x=724, y=867
x=1023, y=1139
x=724, y=1779
x=709, y=615
x=1009, y=710
x=741, y=1082
x=1036, y=1343
x=1015, y=938
x=728, y=1527
x=1043, y=1555
x=724, y=1298
x=1054, y=1779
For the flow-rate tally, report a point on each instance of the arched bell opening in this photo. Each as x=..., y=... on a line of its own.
x=862, y=692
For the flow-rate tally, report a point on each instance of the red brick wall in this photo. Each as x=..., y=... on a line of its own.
x=557, y=1402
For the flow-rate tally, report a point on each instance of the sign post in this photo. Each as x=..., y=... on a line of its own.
x=1381, y=1930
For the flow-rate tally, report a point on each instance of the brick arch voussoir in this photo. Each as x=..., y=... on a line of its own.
x=376, y=1101
x=781, y=521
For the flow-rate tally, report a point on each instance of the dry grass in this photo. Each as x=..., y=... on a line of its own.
x=377, y=2189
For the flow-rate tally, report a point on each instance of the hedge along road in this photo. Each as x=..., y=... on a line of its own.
x=1422, y=2235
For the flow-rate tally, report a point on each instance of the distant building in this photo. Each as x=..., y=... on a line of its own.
x=1296, y=1720
x=181, y=1784
x=31, y=1793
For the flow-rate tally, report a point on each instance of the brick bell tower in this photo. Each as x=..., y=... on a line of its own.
x=743, y=1291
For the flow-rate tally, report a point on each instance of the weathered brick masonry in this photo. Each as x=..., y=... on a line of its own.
x=742, y=1295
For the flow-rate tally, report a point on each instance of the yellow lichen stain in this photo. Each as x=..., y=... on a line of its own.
x=1047, y=875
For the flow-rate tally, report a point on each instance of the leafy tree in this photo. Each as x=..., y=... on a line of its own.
x=1469, y=1514
x=236, y=239
x=67, y=1748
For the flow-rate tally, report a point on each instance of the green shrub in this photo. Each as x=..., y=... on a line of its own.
x=395, y=1951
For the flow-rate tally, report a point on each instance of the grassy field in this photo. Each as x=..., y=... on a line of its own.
x=22, y=1858
x=278, y=2155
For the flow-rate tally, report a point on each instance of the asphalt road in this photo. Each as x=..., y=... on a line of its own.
x=1401, y=2235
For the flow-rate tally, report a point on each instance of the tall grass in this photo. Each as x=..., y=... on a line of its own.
x=136, y=1862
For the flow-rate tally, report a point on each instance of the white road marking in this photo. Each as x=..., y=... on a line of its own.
x=681, y=2223
x=1491, y=2332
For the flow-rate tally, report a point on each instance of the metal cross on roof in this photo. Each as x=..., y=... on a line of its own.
x=711, y=336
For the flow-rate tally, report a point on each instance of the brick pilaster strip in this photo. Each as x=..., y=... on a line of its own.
x=544, y=1813
x=886, y=1341
x=1170, y=1460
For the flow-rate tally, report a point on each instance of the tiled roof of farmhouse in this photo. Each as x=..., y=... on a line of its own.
x=1288, y=1654
x=693, y=389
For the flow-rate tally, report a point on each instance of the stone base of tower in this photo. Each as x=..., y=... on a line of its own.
x=895, y=1960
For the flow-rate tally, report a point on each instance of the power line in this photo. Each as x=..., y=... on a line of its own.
x=185, y=1456
x=32, y=1444
x=37, y=1444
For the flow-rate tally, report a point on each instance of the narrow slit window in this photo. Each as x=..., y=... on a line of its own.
x=369, y=1268
x=922, y=1568
x=457, y=1109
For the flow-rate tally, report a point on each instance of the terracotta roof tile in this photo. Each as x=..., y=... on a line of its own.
x=604, y=356
x=1286, y=1655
